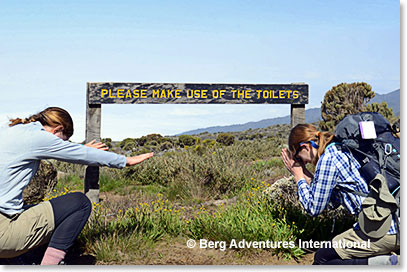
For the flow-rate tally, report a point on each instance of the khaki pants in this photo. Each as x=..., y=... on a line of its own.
x=25, y=231
x=382, y=246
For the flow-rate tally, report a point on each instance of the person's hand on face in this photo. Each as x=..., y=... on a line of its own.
x=294, y=166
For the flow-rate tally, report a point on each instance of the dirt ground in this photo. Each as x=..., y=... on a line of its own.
x=179, y=254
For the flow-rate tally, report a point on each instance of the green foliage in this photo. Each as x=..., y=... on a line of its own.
x=208, y=143
x=253, y=136
x=201, y=172
x=128, y=144
x=152, y=139
x=225, y=139
x=145, y=223
x=73, y=182
x=165, y=146
x=272, y=163
x=251, y=219
x=345, y=99
x=383, y=109
x=187, y=140
x=107, y=142
x=342, y=100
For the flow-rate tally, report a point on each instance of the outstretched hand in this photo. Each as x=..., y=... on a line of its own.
x=138, y=159
x=97, y=145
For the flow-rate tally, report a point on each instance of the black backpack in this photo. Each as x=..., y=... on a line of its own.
x=380, y=155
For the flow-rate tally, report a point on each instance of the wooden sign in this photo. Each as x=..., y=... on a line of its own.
x=192, y=93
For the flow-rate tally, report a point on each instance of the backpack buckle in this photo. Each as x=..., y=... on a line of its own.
x=387, y=149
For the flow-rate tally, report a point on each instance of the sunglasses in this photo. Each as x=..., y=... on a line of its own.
x=313, y=144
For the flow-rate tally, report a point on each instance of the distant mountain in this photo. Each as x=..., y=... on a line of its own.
x=311, y=116
x=392, y=99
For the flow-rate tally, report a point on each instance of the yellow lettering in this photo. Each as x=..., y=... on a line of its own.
x=204, y=94
x=163, y=94
x=197, y=94
x=281, y=94
x=274, y=94
x=156, y=93
x=247, y=94
x=296, y=94
x=103, y=92
x=136, y=93
x=258, y=93
x=288, y=93
x=233, y=93
x=143, y=93
x=120, y=93
x=190, y=93
x=128, y=94
x=170, y=93
x=240, y=94
x=177, y=93
x=110, y=94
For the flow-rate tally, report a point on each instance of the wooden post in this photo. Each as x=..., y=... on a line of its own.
x=93, y=117
x=297, y=114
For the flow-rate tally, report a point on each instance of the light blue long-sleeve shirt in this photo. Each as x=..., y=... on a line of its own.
x=21, y=149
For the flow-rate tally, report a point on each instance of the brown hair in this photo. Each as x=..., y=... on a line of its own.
x=307, y=132
x=52, y=117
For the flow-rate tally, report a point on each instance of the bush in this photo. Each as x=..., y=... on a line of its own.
x=345, y=99
x=107, y=142
x=200, y=172
x=225, y=139
x=186, y=140
x=128, y=144
x=165, y=146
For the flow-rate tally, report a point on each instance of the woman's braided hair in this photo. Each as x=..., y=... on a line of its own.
x=52, y=117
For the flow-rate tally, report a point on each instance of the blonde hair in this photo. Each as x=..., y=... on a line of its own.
x=52, y=117
x=305, y=133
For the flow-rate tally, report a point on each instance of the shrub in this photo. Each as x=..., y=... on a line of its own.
x=345, y=99
x=107, y=142
x=225, y=139
x=186, y=140
x=128, y=144
x=165, y=146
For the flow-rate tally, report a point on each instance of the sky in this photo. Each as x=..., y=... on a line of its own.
x=49, y=50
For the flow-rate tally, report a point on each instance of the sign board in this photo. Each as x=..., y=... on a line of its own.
x=192, y=93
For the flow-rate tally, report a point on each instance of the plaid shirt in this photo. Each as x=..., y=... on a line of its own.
x=335, y=181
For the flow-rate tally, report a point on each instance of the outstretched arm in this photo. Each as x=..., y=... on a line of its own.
x=130, y=161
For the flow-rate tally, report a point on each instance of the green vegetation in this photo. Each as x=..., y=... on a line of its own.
x=345, y=99
x=175, y=196
x=225, y=139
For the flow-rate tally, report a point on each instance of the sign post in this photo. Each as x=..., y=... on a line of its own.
x=183, y=93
